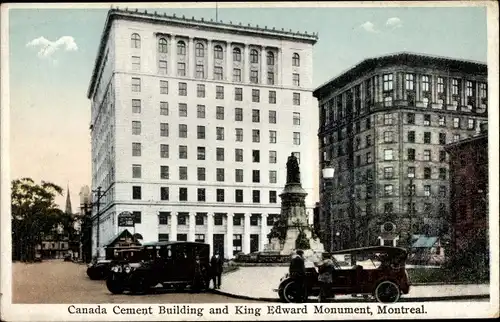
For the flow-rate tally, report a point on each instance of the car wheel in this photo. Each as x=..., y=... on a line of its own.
x=92, y=275
x=114, y=286
x=139, y=285
x=387, y=292
x=281, y=295
x=291, y=292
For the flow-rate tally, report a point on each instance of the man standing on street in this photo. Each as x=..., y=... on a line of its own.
x=297, y=271
x=216, y=267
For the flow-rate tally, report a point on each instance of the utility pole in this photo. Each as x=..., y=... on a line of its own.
x=410, y=210
x=98, y=203
x=216, y=11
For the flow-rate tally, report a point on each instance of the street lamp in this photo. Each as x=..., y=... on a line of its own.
x=337, y=240
x=411, y=176
x=328, y=174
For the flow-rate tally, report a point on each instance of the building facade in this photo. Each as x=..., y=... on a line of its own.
x=469, y=195
x=192, y=124
x=384, y=125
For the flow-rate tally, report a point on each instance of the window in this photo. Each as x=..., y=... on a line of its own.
x=388, y=154
x=218, y=53
x=388, y=207
x=183, y=194
x=220, y=195
x=368, y=140
x=442, y=173
x=200, y=221
x=427, y=120
x=136, y=128
x=238, y=174
x=255, y=116
x=163, y=218
x=136, y=84
x=219, y=112
x=425, y=101
x=411, y=136
x=368, y=123
x=456, y=122
x=256, y=176
x=272, y=157
x=427, y=190
x=200, y=90
x=164, y=151
x=163, y=87
x=136, y=149
x=218, y=73
x=411, y=172
x=469, y=90
x=200, y=111
x=238, y=114
x=238, y=94
x=136, y=106
x=254, y=76
x=442, y=156
x=427, y=137
x=136, y=63
x=425, y=83
x=220, y=133
x=162, y=68
x=296, y=98
x=236, y=75
x=387, y=79
x=220, y=154
x=164, y=108
x=295, y=60
x=272, y=136
x=388, y=119
x=181, y=48
x=388, y=101
x=181, y=219
x=200, y=132
x=409, y=82
x=201, y=152
x=254, y=56
x=183, y=151
x=411, y=154
x=273, y=197
x=256, y=156
x=470, y=124
x=182, y=89
x=388, y=172
x=442, y=138
x=183, y=174
x=236, y=54
x=135, y=41
x=162, y=237
x=388, y=190
x=427, y=155
x=272, y=176
x=136, y=171
x=270, y=58
x=183, y=131
x=199, y=50
x=427, y=173
x=296, y=79
x=442, y=120
x=410, y=118
x=164, y=172
x=201, y=174
x=272, y=97
x=238, y=155
x=388, y=136
x=256, y=196
x=272, y=117
x=219, y=172
x=255, y=95
x=483, y=90
x=256, y=136
x=456, y=137
x=368, y=157
x=270, y=78
x=239, y=134
x=440, y=85
x=199, y=238
x=296, y=138
x=442, y=191
x=454, y=86
x=200, y=71
x=137, y=217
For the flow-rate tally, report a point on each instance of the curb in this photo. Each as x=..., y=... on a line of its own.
x=403, y=299
x=447, y=283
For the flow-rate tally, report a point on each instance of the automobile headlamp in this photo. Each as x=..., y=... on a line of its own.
x=127, y=269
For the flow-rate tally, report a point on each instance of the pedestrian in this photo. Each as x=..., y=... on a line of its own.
x=325, y=277
x=199, y=280
x=297, y=271
x=216, y=265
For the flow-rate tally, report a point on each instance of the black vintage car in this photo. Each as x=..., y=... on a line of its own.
x=169, y=264
x=99, y=269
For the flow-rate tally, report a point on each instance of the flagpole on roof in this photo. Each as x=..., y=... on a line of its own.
x=216, y=11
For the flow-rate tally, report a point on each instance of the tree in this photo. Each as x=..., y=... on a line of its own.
x=34, y=215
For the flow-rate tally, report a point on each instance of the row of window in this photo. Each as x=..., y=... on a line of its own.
x=200, y=218
x=389, y=173
x=428, y=207
x=389, y=190
x=219, y=91
x=218, y=52
x=201, y=194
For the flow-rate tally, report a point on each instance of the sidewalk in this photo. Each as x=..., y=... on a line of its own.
x=259, y=282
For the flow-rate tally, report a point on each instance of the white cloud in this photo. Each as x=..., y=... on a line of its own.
x=369, y=26
x=47, y=47
x=394, y=22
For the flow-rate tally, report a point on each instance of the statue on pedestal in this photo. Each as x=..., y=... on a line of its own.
x=292, y=170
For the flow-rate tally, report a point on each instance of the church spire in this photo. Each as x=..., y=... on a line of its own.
x=68, y=203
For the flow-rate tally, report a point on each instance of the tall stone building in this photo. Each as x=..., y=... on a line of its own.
x=192, y=124
x=384, y=125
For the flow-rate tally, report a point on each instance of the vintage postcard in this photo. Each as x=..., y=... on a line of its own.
x=249, y=161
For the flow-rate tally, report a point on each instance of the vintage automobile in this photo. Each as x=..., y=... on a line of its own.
x=169, y=264
x=99, y=270
x=377, y=271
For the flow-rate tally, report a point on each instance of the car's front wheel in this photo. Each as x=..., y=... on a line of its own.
x=114, y=285
x=291, y=292
x=387, y=292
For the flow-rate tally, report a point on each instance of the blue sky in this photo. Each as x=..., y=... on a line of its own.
x=50, y=113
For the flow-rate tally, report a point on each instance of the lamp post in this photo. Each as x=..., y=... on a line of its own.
x=411, y=176
x=328, y=174
x=338, y=240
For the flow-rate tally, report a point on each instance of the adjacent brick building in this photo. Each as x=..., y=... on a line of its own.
x=384, y=125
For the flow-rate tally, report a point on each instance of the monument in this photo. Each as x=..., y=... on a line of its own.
x=292, y=230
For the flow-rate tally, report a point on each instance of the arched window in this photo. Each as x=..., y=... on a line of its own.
x=270, y=58
x=135, y=41
x=162, y=45
x=295, y=60
x=200, y=50
x=181, y=48
x=254, y=56
x=236, y=54
x=218, y=54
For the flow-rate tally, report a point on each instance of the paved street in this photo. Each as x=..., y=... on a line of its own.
x=55, y=281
